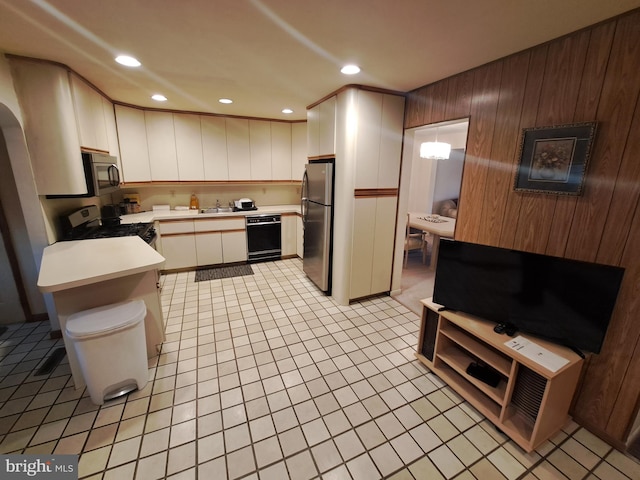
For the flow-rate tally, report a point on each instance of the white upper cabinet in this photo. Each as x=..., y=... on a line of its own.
x=238, y=151
x=92, y=126
x=134, y=151
x=162, y=145
x=281, y=151
x=321, y=128
x=112, y=130
x=391, y=135
x=50, y=127
x=367, y=151
x=214, y=147
x=327, y=130
x=298, y=149
x=379, y=140
x=260, y=149
x=313, y=131
x=189, y=146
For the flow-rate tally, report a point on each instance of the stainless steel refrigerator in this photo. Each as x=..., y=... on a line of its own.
x=316, y=206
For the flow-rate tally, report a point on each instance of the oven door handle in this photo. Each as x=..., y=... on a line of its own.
x=258, y=224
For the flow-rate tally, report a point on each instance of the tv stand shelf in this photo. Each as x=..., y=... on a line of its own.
x=528, y=402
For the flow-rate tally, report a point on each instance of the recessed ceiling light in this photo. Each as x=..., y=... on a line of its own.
x=127, y=61
x=159, y=98
x=225, y=100
x=287, y=110
x=350, y=69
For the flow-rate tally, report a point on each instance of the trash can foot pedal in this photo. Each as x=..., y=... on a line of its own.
x=118, y=392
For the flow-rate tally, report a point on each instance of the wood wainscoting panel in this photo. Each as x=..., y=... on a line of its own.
x=590, y=75
x=535, y=76
x=615, y=112
x=476, y=163
x=624, y=201
x=459, y=95
x=417, y=102
x=437, y=112
x=597, y=58
x=504, y=148
x=557, y=105
x=559, y=95
x=624, y=204
x=623, y=337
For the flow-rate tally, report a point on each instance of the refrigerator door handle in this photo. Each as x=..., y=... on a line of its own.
x=303, y=199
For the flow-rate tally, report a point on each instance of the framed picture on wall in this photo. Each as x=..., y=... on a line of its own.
x=554, y=159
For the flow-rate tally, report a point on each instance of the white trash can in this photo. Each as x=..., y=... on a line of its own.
x=111, y=347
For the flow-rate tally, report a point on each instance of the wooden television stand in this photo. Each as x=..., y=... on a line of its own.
x=530, y=402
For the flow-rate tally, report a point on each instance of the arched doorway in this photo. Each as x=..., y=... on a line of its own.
x=21, y=227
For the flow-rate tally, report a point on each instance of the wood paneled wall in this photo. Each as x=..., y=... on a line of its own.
x=591, y=75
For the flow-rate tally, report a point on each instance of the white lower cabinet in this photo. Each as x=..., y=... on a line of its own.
x=189, y=243
x=209, y=248
x=220, y=240
x=234, y=246
x=289, y=234
x=299, y=237
x=179, y=251
x=372, y=246
x=177, y=243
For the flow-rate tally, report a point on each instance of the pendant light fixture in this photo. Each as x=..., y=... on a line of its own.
x=435, y=150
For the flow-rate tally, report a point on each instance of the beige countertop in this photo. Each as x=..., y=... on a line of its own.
x=77, y=263
x=173, y=214
x=82, y=262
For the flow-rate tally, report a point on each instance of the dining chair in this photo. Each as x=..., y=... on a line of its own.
x=414, y=241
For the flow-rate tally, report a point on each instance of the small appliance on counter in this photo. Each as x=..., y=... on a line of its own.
x=244, y=204
x=110, y=215
x=130, y=204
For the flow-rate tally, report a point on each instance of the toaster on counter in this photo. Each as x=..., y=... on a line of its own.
x=244, y=204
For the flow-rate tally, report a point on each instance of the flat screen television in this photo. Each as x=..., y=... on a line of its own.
x=565, y=301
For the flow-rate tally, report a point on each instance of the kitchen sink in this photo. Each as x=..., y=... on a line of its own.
x=216, y=210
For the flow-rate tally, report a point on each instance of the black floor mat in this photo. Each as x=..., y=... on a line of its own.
x=223, y=272
x=52, y=362
x=3, y=330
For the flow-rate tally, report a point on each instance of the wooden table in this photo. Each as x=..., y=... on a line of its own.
x=437, y=229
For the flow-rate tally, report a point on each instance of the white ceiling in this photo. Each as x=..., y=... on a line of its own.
x=271, y=54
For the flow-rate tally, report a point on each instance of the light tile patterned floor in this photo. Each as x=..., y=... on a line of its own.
x=262, y=377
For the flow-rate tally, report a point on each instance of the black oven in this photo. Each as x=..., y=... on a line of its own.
x=264, y=237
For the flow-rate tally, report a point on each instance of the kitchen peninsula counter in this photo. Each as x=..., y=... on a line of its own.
x=84, y=274
x=82, y=262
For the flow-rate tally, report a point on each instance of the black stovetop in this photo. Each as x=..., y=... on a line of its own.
x=143, y=230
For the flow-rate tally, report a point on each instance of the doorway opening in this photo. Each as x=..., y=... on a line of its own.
x=429, y=187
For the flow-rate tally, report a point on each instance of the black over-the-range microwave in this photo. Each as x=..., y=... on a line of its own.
x=101, y=173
